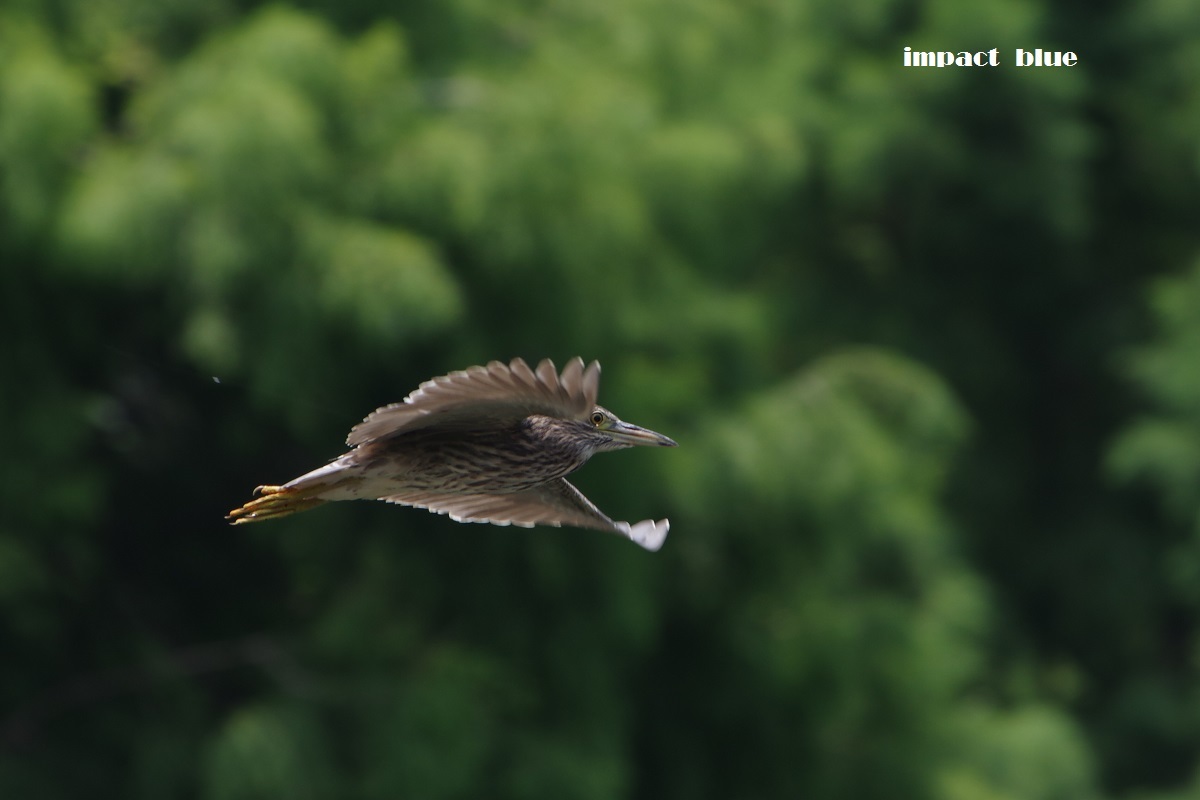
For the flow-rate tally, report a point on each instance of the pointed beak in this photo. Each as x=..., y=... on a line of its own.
x=633, y=435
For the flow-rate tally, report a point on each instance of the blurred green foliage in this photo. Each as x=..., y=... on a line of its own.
x=929, y=341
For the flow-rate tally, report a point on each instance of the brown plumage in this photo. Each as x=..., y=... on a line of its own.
x=487, y=444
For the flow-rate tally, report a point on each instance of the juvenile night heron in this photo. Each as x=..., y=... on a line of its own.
x=487, y=444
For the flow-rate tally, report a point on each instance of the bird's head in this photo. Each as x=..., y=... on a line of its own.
x=601, y=430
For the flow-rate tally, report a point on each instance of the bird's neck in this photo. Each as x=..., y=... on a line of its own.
x=558, y=439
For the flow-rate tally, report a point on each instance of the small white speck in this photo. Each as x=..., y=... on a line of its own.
x=216, y=379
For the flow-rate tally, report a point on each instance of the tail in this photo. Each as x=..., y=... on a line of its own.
x=272, y=502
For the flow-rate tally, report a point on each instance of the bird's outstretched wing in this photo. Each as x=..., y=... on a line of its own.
x=555, y=503
x=494, y=394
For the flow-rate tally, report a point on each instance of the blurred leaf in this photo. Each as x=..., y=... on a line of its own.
x=268, y=752
x=388, y=282
x=47, y=119
x=1034, y=753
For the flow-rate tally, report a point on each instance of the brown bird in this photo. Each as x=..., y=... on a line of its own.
x=487, y=444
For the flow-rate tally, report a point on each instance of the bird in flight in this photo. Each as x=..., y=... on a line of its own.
x=486, y=444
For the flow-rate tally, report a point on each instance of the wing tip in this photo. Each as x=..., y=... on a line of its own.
x=648, y=534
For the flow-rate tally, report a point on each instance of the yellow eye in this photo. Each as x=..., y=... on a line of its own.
x=597, y=418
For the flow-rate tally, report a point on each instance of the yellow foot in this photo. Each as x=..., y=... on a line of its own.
x=276, y=501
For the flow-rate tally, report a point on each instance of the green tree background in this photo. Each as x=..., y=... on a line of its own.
x=929, y=340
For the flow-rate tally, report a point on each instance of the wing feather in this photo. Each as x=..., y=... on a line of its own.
x=545, y=372
x=494, y=394
x=571, y=383
x=556, y=503
x=523, y=373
